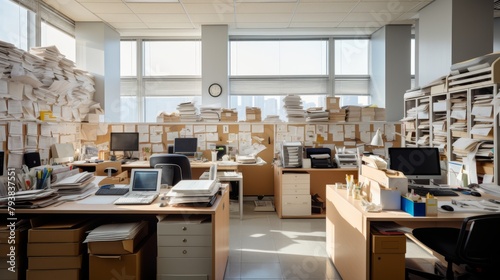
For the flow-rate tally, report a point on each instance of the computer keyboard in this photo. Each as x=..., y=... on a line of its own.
x=111, y=191
x=434, y=191
x=136, y=198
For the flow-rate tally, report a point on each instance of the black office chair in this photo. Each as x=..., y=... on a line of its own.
x=175, y=167
x=476, y=244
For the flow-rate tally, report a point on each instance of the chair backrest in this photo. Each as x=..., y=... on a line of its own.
x=174, y=167
x=108, y=168
x=479, y=243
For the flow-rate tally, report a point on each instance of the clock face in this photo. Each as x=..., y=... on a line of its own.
x=215, y=90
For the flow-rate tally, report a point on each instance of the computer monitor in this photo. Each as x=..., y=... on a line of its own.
x=124, y=141
x=185, y=146
x=416, y=163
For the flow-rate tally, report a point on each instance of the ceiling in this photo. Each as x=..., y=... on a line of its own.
x=244, y=17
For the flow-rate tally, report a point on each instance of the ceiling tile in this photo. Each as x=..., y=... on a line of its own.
x=169, y=25
x=119, y=17
x=371, y=17
x=361, y=24
x=263, y=18
x=73, y=10
x=314, y=24
x=396, y=7
x=319, y=17
x=207, y=18
x=265, y=8
x=156, y=8
x=216, y=7
x=112, y=8
x=131, y=25
x=99, y=1
x=408, y=16
x=263, y=25
x=151, y=18
x=341, y=7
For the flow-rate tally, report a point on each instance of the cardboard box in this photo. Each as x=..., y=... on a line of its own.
x=61, y=274
x=139, y=265
x=414, y=208
x=65, y=262
x=58, y=231
x=393, y=180
x=332, y=102
x=120, y=247
x=121, y=178
x=54, y=249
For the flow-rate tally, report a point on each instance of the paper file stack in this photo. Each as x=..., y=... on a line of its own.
x=272, y=119
x=194, y=191
x=229, y=115
x=293, y=108
x=210, y=113
x=337, y=115
x=367, y=114
x=353, y=113
x=458, y=115
x=253, y=114
x=166, y=117
x=188, y=112
x=463, y=146
x=316, y=114
x=483, y=117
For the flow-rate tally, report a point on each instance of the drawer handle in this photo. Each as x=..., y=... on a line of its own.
x=184, y=252
x=184, y=240
x=184, y=228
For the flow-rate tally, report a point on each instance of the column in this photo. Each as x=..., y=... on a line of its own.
x=215, y=60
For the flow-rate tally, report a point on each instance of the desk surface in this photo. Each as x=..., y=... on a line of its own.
x=145, y=164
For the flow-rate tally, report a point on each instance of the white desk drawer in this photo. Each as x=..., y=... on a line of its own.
x=188, y=266
x=296, y=205
x=181, y=277
x=184, y=252
x=184, y=229
x=184, y=240
x=295, y=188
x=295, y=178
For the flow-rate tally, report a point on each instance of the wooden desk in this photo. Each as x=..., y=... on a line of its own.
x=219, y=214
x=348, y=230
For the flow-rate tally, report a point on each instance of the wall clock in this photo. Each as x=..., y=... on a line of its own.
x=215, y=90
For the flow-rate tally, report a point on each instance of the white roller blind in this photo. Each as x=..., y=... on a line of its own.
x=172, y=87
x=352, y=86
x=279, y=86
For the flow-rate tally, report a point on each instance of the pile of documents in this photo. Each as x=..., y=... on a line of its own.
x=188, y=112
x=194, y=192
x=353, y=113
x=316, y=114
x=458, y=115
x=417, y=91
x=482, y=112
x=210, y=113
x=115, y=232
x=272, y=119
x=253, y=114
x=166, y=117
x=32, y=198
x=463, y=146
x=75, y=187
x=229, y=115
x=246, y=159
x=336, y=115
x=293, y=108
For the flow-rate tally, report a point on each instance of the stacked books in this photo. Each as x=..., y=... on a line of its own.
x=229, y=115
x=253, y=114
x=188, y=112
x=353, y=113
x=293, y=108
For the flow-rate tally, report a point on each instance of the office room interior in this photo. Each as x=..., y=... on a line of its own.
x=274, y=139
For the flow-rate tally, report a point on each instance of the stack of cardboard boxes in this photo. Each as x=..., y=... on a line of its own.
x=253, y=114
x=56, y=250
x=13, y=240
x=229, y=115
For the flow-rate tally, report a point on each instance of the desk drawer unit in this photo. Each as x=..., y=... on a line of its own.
x=296, y=205
x=184, y=250
x=294, y=183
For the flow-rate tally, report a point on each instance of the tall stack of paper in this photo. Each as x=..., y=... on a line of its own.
x=482, y=112
x=367, y=114
x=253, y=114
x=439, y=129
x=193, y=191
x=229, y=115
x=353, y=113
x=210, y=113
x=458, y=115
x=316, y=114
x=337, y=115
x=293, y=108
x=188, y=112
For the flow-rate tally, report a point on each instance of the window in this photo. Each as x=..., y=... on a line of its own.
x=351, y=57
x=169, y=74
x=17, y=24
x=65, y=43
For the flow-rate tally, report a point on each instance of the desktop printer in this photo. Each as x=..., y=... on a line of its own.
x=320, y=157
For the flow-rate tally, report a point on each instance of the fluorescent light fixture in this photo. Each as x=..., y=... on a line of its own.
x=151, y=1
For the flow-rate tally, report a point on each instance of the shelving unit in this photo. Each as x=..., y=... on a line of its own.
x=465, y=108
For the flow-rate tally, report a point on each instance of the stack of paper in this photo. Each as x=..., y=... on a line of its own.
x=188, y=112
x=246, y=159
x=337, y=115
x=293, y=108
x=115, y=232
x=439, y=129
x=193, y=191
x=166, y=117
x=463, y=146
x=253, y=114
x=272, y=119
x=210, y=113
x=367, y=114
x=316, y=114
x=353, y=113
x=32, y=198
x=78, y=180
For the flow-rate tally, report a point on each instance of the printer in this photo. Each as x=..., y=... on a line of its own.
x=320, y=157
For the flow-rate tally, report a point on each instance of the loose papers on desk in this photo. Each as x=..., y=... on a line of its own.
x=32, y=198
x=115, y=232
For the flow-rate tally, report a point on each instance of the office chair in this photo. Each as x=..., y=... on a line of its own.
x=175, y=167
x=476, y=244
x=108, y=168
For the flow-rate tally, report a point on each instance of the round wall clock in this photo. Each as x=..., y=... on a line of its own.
x=215, y=90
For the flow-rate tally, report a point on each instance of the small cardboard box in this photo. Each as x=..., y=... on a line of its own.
x=139, y=265
x=120, y=247
x=121, y=178
x=66, y=274
x=393, y=180
x=64, y=262
x=54, y=249
x=414, y=208
x=332, y=102
x=57, y=231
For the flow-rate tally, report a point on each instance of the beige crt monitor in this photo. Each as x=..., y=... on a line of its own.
x=62, y=153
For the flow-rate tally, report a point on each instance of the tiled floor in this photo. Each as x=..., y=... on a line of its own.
x=262, y=246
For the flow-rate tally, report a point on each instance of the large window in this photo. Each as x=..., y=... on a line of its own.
x=169, y=74
x=65, y=43
x=17, y=24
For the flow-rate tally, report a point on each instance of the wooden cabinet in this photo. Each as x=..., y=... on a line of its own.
x=293, y=188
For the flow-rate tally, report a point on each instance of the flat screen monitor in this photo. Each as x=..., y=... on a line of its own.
x=416, y=163
x=185, y=146
x=124, y=141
